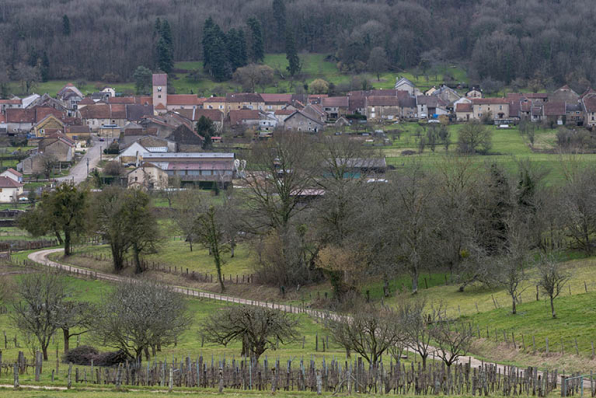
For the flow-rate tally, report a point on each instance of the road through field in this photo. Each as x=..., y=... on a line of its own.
x=41, y=257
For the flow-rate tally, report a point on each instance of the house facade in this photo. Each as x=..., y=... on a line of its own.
x=9, y=190
x=147, y=177
x=497, y=107
x=299, y=121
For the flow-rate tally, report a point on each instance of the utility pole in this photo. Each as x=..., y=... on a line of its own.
x=87, y=165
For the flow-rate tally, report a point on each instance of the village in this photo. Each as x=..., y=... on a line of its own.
x=156, y=136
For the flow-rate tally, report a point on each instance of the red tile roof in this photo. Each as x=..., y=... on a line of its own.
x=216, y=99
x=590, y=103
x=11, y=101
x=86, y=101
x=283, y=112
x=195, y=114
x=277, y=98
x=7, y=182
x=489, y=101
x=382, y=101
x=31, y=115
x=244, y=97
x=336, y=102
x=13, y=171
x=240, y=115
x=463, y=107
x=554, y=109
x=184, y=99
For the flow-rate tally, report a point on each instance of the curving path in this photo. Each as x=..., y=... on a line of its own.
x=41, y=257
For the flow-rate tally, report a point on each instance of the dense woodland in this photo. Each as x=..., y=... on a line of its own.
x=513, y=41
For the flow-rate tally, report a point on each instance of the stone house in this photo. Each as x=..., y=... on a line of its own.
x=336, y=106
x=147, y=177
x=61, y=148
x=300, y=121
x=382, y=108
x=497, y=107
x=464, y=111
x=251, y=101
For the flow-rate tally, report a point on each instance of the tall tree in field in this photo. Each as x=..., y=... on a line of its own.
x=61, y=212
x=279, y=13
x=141, y=225
x=257, y=43
x=65, y=25
x=210, y=233
x=38, y=310
x=110, y=223
x=292, y=54
x=206, y=129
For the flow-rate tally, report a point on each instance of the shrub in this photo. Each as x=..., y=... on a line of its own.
x=111, y=358
x=81, y=355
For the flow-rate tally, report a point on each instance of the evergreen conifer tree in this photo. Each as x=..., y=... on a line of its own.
x=258, y=46
x=292, y=55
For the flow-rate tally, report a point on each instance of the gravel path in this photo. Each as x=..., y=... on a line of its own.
x=41, y=257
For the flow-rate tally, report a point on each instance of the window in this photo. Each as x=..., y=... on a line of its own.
x=159, y=90
x=159, y=96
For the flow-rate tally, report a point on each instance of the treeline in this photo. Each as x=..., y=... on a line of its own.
x=538, y=43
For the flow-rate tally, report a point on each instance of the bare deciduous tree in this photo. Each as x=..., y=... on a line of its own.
x=38, y=311
x=452, y=341
x=259, y=329
x=138, y=315
x=551, y=279
x=209, y=232
x=75, y=318
x=370, y=332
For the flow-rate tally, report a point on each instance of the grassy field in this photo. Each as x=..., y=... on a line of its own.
x=508, y=147
x=314, y=66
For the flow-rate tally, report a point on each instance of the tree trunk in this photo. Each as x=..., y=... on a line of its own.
x=67, y=251
x=117, y=258
x=66, y=333
x=59, y=237
x=147, y=356
x=190, y=243
x=44, y=350
x=415, y=284
x=138, y=268
x=552, y=306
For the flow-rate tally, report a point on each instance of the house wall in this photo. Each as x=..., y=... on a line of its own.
x=383, y=112
x=495, y=109
x=62, y=151
x=149, y=178
x=7, y=194
x=301, y=123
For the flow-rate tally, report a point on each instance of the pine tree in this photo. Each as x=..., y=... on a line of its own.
x=218, y=57
x=165, y=46
x=243, y=53
x=292, y=55
x=65, y=25
x=45, y=67
x=208, y=37
x=258, y=46
x=279, y=13
x=233, y=50
x=164, y=56
x=157, y=27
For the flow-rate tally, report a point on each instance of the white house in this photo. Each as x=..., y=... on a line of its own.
x=13, y=174
x=9, y=190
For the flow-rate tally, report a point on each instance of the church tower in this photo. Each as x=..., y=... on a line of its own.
x=160, y=93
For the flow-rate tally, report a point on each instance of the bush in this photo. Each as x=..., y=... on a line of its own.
x=112, y=358
x=113, y=149
x=113, y=168
x=81, y=355
x=84, y=354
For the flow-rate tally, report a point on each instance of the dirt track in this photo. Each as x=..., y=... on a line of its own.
x=41, y=257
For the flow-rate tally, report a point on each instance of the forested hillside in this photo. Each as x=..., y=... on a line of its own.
x=513, y=41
